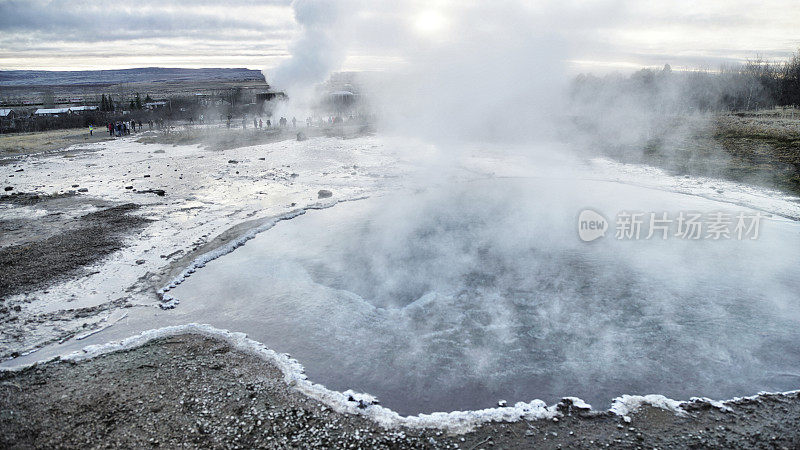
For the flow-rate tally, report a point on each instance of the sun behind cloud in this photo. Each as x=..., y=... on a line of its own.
x=430, y=22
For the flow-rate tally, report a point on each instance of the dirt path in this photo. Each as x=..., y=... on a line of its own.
x=195, y=391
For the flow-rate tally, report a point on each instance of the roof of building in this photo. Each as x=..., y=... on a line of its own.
x=51, y=111
x=4, y=112
x=41, y=111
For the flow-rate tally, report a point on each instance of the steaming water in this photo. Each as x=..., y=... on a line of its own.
x=451, y=300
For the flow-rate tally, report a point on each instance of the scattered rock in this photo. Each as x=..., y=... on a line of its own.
x=75, y=185
x=139, y=262
x=128, y=187
x=233, y=161
x=8, y=188
x=158, y=192
x=159, y=151
x=147, y=176
x=324, y=193
x=83, y=190
x=301, y=136
x=262, y=159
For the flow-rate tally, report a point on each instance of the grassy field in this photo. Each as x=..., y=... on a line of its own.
x=768, y=148
x=757, y=149
x=24, y=143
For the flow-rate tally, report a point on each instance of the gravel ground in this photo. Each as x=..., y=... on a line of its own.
x=195, y=391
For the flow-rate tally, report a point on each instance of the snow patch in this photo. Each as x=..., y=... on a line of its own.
x=626, y=404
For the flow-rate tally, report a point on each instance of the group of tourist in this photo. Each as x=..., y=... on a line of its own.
x=125, y=127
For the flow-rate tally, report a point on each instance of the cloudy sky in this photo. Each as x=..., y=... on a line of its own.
x=594, y=35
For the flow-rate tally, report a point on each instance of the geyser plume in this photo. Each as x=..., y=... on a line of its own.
x=462, y=71
x=319, y=49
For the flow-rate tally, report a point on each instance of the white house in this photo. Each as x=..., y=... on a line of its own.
x=57, y=111
x=50, y=111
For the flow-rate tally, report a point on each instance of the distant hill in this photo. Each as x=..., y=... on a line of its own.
x=10, y=78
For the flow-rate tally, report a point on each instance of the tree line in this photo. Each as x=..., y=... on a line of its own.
x=136, y=103
x=756, y=84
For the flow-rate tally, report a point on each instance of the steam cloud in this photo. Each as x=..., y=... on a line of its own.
x=486, y=273
x=318, y=50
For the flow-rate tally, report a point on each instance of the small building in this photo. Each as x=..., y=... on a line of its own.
x=50, y=111
x=155, y=105
x=342, y=102
x=59, y=111
x=8, y=119
x=81, y=109
x=262, y=97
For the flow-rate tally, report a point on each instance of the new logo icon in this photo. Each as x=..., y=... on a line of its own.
x=591, y=225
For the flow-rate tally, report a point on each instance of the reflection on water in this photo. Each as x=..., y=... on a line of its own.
x=453, y=300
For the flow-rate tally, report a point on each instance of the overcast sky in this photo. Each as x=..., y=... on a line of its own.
x=603, y=34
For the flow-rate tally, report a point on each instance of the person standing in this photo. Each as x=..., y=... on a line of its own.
x=260, y=124
x=91, y=129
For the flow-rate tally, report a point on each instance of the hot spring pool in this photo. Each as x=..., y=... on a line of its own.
x=457, y=298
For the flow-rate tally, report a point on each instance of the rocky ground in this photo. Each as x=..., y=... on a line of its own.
x=195, y=391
